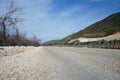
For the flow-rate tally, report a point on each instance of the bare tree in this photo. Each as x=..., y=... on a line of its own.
x=9, y=19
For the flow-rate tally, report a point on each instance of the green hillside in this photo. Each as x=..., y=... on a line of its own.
x=102, y=28
x=53, y=42
x=105, y=27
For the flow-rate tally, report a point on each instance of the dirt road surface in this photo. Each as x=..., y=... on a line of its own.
x=61, y=63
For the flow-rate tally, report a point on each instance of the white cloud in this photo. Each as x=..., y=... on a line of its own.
x=70, y=11
x=35, y=8
x=56, y=35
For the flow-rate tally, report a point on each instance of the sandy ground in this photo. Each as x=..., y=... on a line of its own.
x=61, y=63
x=107, y=38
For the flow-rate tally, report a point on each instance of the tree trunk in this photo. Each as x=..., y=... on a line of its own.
x=4, y=35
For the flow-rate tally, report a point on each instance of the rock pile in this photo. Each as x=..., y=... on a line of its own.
x=13, y=50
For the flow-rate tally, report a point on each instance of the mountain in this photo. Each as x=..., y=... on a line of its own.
x=53, y=42
x=105, y=27
x=102, y=28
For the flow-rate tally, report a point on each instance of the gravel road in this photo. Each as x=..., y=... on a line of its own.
x=61, y=63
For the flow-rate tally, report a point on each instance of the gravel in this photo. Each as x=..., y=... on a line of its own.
x=59, y=63
x=8, y=51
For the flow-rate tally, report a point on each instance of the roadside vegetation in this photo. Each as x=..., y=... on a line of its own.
x=112, y=44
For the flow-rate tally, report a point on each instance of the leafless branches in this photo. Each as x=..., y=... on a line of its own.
x=8, y=21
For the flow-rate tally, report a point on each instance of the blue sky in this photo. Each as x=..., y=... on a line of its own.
x=55, y=19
